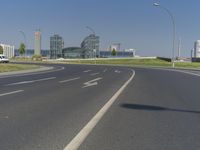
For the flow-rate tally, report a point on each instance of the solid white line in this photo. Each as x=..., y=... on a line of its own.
x=87, y=71
x=64, y=81
x=31, y=81
x=190, y=73
x=180, y=71
x=93, y=74
x=9, y=93
x=82, y=135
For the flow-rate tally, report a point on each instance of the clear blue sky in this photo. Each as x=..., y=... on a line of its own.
x=133, y=23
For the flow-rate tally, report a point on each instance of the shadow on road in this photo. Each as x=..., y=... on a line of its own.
x=154, y=108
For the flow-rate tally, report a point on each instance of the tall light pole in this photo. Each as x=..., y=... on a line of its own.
x=174, y=29
x=91, y=29
x=25, y=42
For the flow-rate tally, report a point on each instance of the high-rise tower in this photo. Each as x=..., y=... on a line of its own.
x=37, y=43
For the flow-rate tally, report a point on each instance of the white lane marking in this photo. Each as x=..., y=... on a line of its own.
x=117, y=71
x=180, y=71
x=190, y=73
x=105, y=70
x=68, y=80
x=91, y=83
x=87, y=71
x=9, y=93
x=18, y=83
x=94, y=74
x=31, y=81
x=87, y=129
x=45, y=79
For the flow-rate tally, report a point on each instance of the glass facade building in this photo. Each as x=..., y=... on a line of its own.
x=77, y=52
x=92, y=42
x=56, y=46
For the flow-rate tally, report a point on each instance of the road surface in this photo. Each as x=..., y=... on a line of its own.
x=135, y=109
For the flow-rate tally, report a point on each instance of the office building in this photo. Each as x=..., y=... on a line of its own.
x=91, y=42
x=56, y=46
x=77, y=52
x=8, y=50
x=37, y=43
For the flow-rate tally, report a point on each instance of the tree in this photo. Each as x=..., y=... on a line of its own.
x=114, y=53
x=1, y=49
x=22, y=48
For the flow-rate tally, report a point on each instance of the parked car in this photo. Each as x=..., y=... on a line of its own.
x=3, y=59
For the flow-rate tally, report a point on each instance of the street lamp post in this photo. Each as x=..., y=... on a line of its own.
x=25, y=42
x=174, y=29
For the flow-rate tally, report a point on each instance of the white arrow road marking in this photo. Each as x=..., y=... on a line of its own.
x=87, y=129
x=9, y=93
x=94, y=74
x=117, y=71
x=105, y=70
x=87, y=71
x=26, y=82
x=64, y=81
x=91, y=83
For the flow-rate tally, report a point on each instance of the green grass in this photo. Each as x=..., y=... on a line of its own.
x=16, y=67
x=138, y=62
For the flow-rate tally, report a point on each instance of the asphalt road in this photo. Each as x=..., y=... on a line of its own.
x=159, y=109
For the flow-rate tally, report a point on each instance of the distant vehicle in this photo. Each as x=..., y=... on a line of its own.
x=4, y=59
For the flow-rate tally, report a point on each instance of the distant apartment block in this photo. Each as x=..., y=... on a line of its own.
x=56, y=46
x=37, y=43
x=8, y=50
x=91, y=42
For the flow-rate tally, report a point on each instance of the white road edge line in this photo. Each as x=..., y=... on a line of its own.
x=64, y=81
x=180, y=71
x=82, y=135
x=9, y=93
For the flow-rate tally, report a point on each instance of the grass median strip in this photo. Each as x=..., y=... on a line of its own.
x=153, y=62
x=16, y=67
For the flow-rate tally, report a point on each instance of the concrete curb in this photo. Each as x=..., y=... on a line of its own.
x=41, y=68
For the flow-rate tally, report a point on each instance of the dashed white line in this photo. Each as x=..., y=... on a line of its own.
x=94, y=74
x=87, y=129
x=68, y=80
x=31, y=81
x=87, y=71
x=9, y=93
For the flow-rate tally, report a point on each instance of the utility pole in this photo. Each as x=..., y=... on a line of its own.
x=179, y=48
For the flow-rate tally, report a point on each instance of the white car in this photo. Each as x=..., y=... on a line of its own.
x=3, y=59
